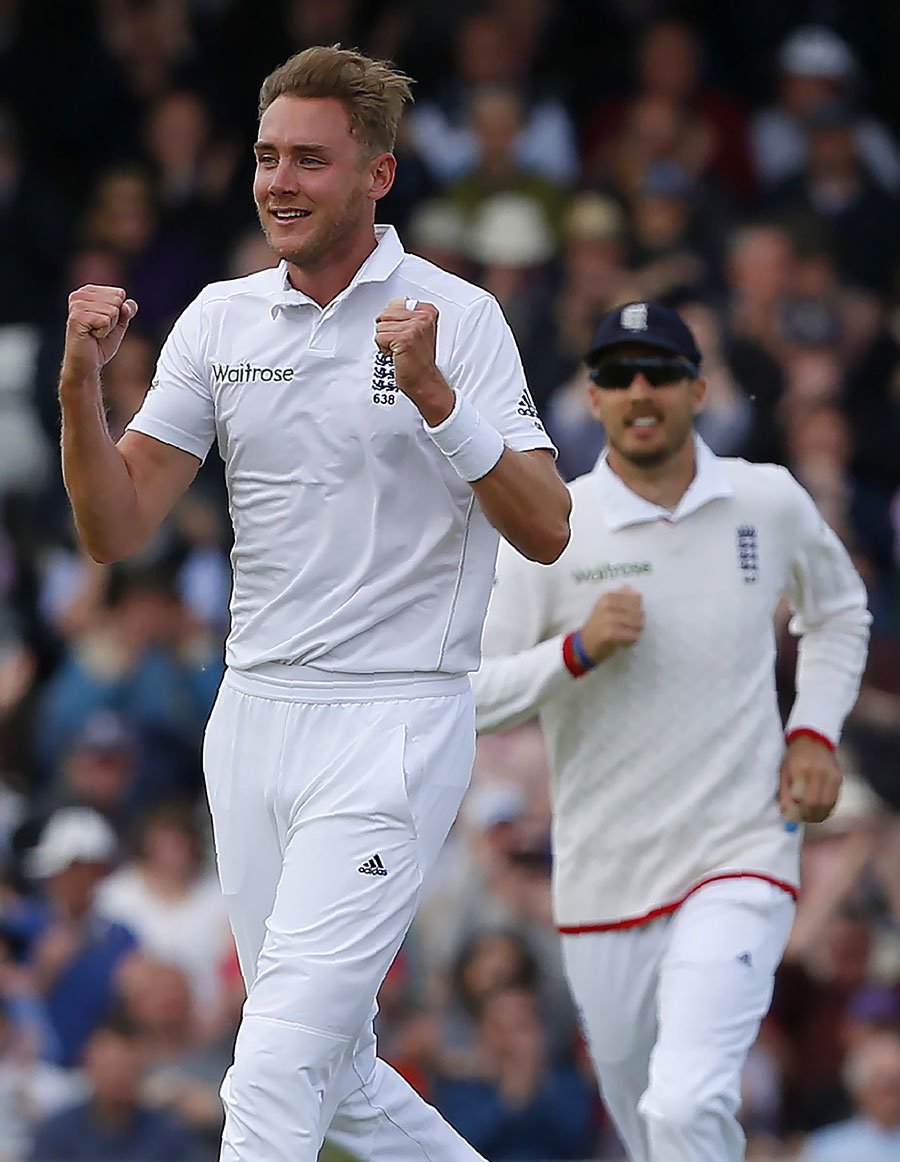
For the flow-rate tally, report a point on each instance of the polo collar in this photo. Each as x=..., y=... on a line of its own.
x=378, y=267
x=620, y=507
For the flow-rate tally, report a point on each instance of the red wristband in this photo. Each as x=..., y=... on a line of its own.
x=808, y=732
x=572, y=662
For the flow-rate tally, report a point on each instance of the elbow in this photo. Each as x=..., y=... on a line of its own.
x=547, y=545
x=107, y=552
x=551, y=546
x=554, y=534
x=103, y=555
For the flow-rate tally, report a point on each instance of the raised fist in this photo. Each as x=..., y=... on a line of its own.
x=98, y=319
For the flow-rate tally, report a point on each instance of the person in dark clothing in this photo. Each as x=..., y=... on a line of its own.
x=112, y=1124
x=522, y=1107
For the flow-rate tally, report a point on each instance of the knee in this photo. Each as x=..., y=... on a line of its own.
x=679, y=1098
x=266, y=1049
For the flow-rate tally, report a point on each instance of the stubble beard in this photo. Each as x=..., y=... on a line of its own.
x=326, y=241
x=655, y=457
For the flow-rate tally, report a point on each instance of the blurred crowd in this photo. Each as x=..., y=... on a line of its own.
x=743, y=164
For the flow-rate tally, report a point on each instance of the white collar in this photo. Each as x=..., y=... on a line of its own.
x=378, y=267
x=620, y=507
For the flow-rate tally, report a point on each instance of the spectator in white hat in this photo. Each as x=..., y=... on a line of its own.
x=436, y=231
x=511, y=242
x=815, y=66
x=75, y=953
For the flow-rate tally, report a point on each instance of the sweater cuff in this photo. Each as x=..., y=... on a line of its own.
x=808, y=732
x=574, y=657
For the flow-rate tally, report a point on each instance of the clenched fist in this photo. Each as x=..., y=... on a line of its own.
x=810, y=780
x=98, y=319
x=409, y=334
x=616, y=621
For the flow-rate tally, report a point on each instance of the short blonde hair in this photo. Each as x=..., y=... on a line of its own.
x=373, y=92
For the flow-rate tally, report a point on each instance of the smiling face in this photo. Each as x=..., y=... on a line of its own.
x=647, y=426
x=315, y=188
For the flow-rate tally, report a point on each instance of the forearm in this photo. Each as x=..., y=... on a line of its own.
x=521, y=493
x=830, y=664
x=511, y=689
x=96, y=476
x=526, y=500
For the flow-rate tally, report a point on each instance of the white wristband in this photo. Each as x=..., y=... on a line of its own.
x=470, y=443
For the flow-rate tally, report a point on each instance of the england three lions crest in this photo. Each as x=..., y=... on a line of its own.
x=384, y=379
x=748, y=553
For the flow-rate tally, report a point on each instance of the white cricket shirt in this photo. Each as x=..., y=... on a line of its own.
x=357, y=548
x=665, y=758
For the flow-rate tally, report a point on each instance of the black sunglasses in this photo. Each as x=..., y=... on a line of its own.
x=658, y=370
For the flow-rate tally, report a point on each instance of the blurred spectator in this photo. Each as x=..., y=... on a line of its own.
x=495, y=116
x=436, y=231
x=668, y=70
x=871, y=400
x=30, y=1090
x=653, y=130
x=172, y=901
x=193, y=166
x=511, y=244
x=489, y=53
x=113, y=1124
x=578, y=436
x=519, y=1106
x=165, y=262
x=672, y=231
x=408, y=1031
x=836, y=191
x=728, y=415
x=73, y=951
x=816, y=66
x=413, y=183
x=99, y=770
x=808, y=1012
x=34, y=227
x=490, y=961
x=759, y=268
x=126, y=380
x=250, y=253
x=873, y=1134
x=24, y=452
x=819, y=449
x=482, y=838
x=203, y=575
x=152, y=45
x=145, y=660
x=185, y=1064
x=593, y=275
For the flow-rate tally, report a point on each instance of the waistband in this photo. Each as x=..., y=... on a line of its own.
x=296, y=683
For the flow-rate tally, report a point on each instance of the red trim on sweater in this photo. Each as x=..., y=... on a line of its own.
x=666, y=909
x=808, y=732
x=570, y=658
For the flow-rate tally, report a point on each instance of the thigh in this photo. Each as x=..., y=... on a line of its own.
x=241, y=755
x=364, y=801
x=613, y=977
x=716, y=981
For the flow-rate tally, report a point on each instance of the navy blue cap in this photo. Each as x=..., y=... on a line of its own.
x=649, y=323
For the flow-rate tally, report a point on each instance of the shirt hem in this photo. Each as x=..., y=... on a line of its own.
x=666, y=909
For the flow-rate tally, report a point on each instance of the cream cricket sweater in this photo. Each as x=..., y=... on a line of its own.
x=665, y=758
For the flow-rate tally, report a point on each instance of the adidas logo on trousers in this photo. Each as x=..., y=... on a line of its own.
x=373, y=867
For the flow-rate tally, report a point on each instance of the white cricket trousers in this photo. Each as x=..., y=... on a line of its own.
x=329, y=803
x=670, y=1010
